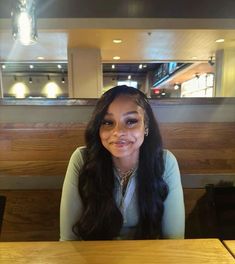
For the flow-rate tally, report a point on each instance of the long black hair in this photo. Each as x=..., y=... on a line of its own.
x=101, y=219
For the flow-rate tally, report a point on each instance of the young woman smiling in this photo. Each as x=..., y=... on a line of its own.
x=122, y=184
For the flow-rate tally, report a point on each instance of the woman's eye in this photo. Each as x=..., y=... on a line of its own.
x=131, y=122
x=107, y=122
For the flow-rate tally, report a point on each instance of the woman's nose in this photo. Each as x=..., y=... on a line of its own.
x=119, y=129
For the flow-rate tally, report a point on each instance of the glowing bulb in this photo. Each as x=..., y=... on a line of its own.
x=24, y=25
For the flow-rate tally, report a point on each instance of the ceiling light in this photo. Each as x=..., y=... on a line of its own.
x=117, y=41
x=219, y=40
x=24, y=21
x=40, y=58
x=116, y=58
x=62, y=80
x=31, y=66
x=194, y=58
x=176, y=86
x=3, y=66
x=140, y=66
x=30, y=80
x=144, y=66
x=59, y=66
x=113, y=66
x=129, y=77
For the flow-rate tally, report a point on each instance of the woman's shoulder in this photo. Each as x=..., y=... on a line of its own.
x=171, y=172
x=78, y=155
x=168, y=156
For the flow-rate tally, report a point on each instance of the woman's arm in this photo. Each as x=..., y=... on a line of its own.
x=71, y=204
x=173, y=222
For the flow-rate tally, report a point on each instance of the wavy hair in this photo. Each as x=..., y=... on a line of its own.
x=101, y=219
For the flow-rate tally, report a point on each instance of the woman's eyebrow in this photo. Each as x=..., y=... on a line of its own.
x=125, y=114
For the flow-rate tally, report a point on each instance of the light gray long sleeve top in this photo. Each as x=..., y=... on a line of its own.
x=173, y=221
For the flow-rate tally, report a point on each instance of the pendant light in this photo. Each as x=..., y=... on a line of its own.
x=24, y=26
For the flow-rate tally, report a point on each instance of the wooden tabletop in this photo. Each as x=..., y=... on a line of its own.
x=230, y=244
x=114, y=252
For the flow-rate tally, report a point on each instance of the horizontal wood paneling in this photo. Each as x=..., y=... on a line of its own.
x=201, y=147
x=38, y=149
x=44, y=149
x=33, y=215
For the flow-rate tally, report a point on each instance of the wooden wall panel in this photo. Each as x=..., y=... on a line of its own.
x=38, y=149
x=201, y=147
x=31, y=215
x=44, y=149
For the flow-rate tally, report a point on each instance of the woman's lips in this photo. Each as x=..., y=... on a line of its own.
x=120, y=143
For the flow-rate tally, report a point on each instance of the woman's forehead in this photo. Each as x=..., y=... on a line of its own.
x=125, y=104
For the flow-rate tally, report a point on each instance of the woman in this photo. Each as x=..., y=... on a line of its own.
x=122, y=185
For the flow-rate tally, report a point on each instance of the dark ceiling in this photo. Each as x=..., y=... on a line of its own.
x=128, y=9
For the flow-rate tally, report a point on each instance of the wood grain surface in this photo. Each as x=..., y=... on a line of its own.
x=230, y=245
x=113, y=252
x=45, y=149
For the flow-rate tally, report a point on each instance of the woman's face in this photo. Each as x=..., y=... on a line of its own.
x=123, y=127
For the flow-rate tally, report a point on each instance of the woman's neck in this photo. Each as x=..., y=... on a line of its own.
x=124, y=164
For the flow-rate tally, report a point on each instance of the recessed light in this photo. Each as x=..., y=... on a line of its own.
x=219, y=40
x=31, y=66
x=40, y=58
x=4, y=66
x=194, y=58
x=113, y=66
x=140, y=66
x=59, y=66
x=117, y=41
x=116, y=58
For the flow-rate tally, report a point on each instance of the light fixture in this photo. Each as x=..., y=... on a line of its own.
x=211, y=61
x=176, y=86
x=113, y=66
x=140, y=66
x=116, y=58
x=40, y=58
x=24, y=26
x=30, y=80
x=31, y=66
x=62, y=80
x=219, y=40
x=59, y=66
x=3, y=66
x=129, y=77
x=117, y=41
x=163, y=93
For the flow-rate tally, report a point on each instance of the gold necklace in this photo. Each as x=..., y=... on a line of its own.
x=125, y=175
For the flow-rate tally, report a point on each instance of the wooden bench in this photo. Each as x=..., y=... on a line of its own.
x=43, y=150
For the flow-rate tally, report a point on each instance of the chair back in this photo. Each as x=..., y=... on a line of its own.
x=222, y=202
x=2, y=208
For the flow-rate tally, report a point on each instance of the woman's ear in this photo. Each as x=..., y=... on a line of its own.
x=146, y=131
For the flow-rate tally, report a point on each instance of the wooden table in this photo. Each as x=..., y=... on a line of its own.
x=116, y=252
x=230, y=245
